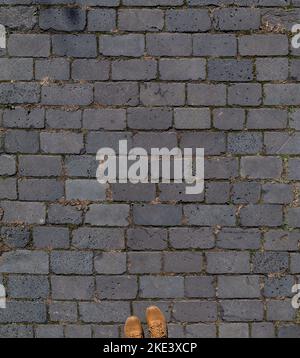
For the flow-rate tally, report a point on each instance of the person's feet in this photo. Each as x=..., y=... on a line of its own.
x=156, y=323
x=133, y=328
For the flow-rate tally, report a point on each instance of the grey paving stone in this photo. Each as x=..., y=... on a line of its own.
x=134, y=70
x=245, y=143
x=236, y=238
x=104, y=312
x=108, y=215
x=16, y=69
x=280, y=310
x=272, y=69
x=270, y=262
x=98, y=239
x=51, y=237
x=18, y=17
x=230, y=70
x=7, y=165
x=67, y=95
x=245, y=94
x=294, y=119
x=201, y=330
x=15, y=237
x=294, y=169
x=169, y=44
x=81, y=46
x=267, y=118
x=234, y=330
x=162, y=94
x=277, y=193
x=289, y=331
x=90, y=70
x=76, y=257
x=105, y=331
x=84, y=166
x=188, y=20
x=180, y=262
x=161, y=287
x=21, y=141
x=261, y=215
x=31, y=287
x=217, y=193
x=29, y=45
x=192, y=118
x=133, y=192
x=195, y=311
x=228, y=262
x=19, y=93
x=261, y=167
x=157, y=215
x=280, y=240
x=281, y=94
x=111, y=263
x=191, y=238
x=141, y=19
x=61, y=214
x=102, y=20
x=263, y=330
x=78, y=331
x=236, y=19
x=16, y=331
x=176, y=331
x=71, y=262
x=49, y=331
x=62, y=19
x=63, y=311
x=239, y=287
x=84, y=189
x=59, y=119
x=293, y=217
x=40, y=166
x=206, y=94
x=149, y=118
x=200, y=287
x=147, y=239
x=210, y=215
x=278, y=287
x=229, y=118
x=104, y=119
x=8, y=188
x=40, y=189
x=18, y=212
x=132, y=45
x=116, y=287
x=246, y=192
x=214, y=143
x=117, y=93
x=263, y=45
x=242, y=310
x=72, y=287
x=24, y=312
x=57, y=143
x=54, y=69
x=214, y=45
x=25, y=261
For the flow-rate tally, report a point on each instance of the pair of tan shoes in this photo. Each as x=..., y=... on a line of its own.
x=156, y=322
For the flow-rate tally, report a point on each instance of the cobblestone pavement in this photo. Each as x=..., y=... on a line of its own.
x=78, y=258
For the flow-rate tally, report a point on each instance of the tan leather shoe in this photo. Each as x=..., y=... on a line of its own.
x=157, y=323
x=133, y=328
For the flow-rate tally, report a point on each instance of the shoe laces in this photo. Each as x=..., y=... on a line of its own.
x=157, y=329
